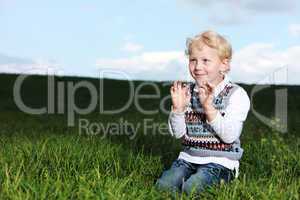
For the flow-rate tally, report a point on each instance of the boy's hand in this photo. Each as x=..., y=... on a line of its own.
x=206, y=96
x=180, y=96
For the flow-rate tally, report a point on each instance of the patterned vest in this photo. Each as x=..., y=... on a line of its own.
x=200, y=139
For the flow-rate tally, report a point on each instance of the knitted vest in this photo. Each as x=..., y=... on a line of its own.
x=200, y=139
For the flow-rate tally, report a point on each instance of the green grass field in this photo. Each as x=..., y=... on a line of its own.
x=42, y=158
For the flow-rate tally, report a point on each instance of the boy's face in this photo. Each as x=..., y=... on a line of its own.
x=205, y=65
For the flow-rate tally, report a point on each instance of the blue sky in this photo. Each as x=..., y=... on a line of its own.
x=146, y=39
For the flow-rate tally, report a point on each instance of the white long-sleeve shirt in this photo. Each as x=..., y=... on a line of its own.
x=227, y=127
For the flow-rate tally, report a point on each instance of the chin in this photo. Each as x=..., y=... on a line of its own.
x=200, y=78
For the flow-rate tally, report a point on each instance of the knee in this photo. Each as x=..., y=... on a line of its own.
x=166, y=185
x=192, y=187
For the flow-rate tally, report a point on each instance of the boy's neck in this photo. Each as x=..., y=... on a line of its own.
x=218, y=81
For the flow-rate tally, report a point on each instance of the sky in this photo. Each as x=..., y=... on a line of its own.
x=145, y=40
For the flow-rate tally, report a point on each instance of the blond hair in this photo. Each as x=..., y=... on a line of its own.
x=213, y=40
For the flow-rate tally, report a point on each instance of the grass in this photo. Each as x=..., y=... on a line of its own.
x=42, y=158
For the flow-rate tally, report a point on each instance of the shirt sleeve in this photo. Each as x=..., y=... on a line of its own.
x=176, y=123
x=228, y=125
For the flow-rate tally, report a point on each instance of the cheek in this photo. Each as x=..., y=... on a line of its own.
x=191, y=66
x=213, y=68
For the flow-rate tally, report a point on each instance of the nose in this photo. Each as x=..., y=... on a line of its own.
x=198, y=66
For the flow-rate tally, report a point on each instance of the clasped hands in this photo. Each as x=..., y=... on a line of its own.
x=181, y=96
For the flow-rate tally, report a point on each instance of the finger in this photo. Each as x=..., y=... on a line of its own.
x=210, y=86
x=179, y=84
x=203, y=87
x=188, y=94
x=186, y=88
x=186, y=91
x=172, y=89
x=175, y=85
x=207, y=88
x=202, y=91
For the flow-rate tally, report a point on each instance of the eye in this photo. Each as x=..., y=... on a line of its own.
x=193, y=61
x=204, y=60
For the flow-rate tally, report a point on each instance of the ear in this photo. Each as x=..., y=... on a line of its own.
x=225, y=65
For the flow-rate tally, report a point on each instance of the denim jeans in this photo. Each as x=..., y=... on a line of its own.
x=188, y=177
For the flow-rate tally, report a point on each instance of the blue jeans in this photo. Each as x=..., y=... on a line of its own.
x=188, y=177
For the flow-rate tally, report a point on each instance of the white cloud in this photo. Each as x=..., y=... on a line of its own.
x=271, y=6
x=294, y=30
x=17, y=65
x=132, y=47
x=236, y=11
x=251, y=64
x=257, y=62
x=160, y=65
x=257, y=6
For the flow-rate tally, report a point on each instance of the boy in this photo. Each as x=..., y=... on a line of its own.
x=208, y=116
